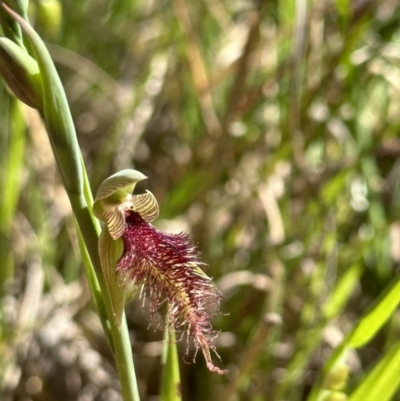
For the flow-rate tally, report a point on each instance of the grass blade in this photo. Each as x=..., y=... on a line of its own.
x=363, y=332
x=384, y=379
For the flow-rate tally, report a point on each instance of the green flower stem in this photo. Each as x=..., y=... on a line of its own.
x=170, y=379
x=95, y=287
x=67, y=153
x=123, y=358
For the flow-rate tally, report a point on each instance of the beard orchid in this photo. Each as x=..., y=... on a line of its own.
x=165, y=266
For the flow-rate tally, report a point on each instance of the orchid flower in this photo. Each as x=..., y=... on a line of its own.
x=166, y=266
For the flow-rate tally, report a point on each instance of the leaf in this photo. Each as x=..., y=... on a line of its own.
x=342, y=292
x=383, y=380
x=363, y=332
x=377, y=316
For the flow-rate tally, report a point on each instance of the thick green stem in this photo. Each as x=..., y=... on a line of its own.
x=123, y=358
x=170, y=379
x=95, y=288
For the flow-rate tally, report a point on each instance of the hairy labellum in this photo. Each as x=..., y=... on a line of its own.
x=168, y=267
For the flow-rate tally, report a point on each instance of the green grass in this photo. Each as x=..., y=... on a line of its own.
x=269, y=133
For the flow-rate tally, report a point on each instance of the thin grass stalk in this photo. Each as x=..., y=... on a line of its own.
x=198, y=69
x=10, y=184
x=268, y=323
x=242, y=69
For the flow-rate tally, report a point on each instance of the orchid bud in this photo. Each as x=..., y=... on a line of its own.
x=21, y=73
x=49, y=17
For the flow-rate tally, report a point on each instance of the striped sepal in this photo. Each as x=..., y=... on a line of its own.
x=115, y=220
x=124, y=181
x=146, y=205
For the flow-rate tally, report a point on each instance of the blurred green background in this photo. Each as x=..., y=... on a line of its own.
x=269, y=130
